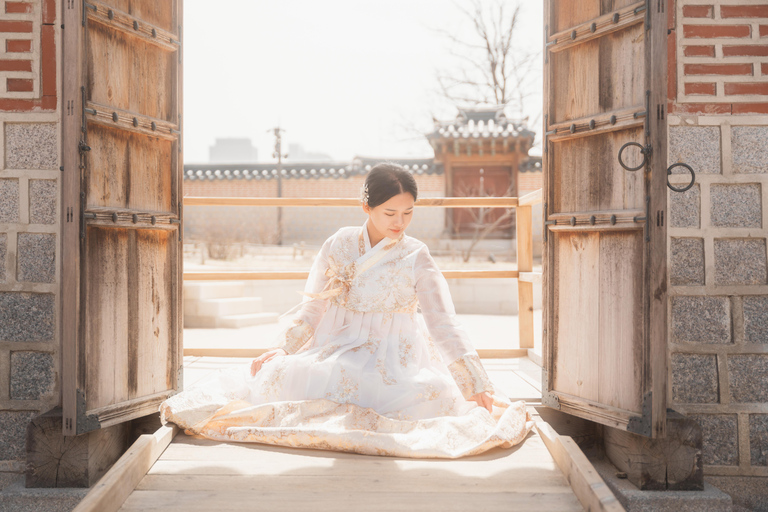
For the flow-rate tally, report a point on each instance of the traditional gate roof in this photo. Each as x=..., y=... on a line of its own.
x=304, y=170
x=480, y=123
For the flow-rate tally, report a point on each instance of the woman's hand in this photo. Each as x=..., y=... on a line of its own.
x=483, y=400
x=263, y=358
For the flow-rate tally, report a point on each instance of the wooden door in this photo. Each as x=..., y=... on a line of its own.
x=605, y=236
x=121, y=236
x=494, y=181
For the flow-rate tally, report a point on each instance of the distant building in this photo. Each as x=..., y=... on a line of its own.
x=233, y=151
x=481, y=152
x=297, y=153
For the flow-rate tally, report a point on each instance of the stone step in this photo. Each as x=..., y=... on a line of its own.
x=17, y=498
x=223, y=307
x=230, y=321
x=213, y=290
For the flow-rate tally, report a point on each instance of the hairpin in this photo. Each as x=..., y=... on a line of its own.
x=365, y=194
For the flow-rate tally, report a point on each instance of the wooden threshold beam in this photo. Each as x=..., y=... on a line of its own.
x=111, y=491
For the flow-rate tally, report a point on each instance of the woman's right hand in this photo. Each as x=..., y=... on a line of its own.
x=263, y=358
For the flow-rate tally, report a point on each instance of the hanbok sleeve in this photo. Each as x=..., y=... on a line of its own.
x=307, y=318
x=449, y=336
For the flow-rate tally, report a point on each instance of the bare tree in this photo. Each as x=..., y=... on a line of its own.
x=482, y=227
x=493, y=67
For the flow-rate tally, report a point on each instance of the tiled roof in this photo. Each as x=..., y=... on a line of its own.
x=303, y=170
x=482, y=122
x=532, y=164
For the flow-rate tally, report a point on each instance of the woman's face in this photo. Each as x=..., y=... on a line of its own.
x=390, y=218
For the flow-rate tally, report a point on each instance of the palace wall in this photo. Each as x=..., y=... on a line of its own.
x=29, y=223
x=718, y=274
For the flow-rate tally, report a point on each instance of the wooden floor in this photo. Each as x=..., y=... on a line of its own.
x=197, y=474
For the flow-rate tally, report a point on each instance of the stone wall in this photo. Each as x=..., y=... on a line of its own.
x=718, y=273
x=29, y=223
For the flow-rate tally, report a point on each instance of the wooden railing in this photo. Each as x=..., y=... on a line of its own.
x=524, y=238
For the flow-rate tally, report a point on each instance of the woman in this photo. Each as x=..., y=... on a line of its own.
x=359, y=370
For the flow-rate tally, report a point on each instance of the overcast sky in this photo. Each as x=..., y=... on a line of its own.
x=343, y=77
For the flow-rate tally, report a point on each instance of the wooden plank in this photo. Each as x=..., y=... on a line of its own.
x=72, y=78
x=656, y=275
x=288, y=274
x=588, y=486
x=620, y=358
x=603, y=25
x=530, y=277
x=172, y=501
x=576, y=299
x=530, y=480
x=524, y=240
x=119, y=482
x=530, y=198
x=444, y=202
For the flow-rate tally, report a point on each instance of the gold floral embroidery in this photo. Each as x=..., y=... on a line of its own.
x=274, y=384
x=371, y=345
x=361, y=243
x=430, y=393
x=434, y=354
x=345, y=391
x=297, y=336
x=326, y=351
x=405, y=350
x=470, y=376
x=385, y=377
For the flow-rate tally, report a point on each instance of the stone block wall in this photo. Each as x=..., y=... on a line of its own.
x=29, y=223
x=717, y=261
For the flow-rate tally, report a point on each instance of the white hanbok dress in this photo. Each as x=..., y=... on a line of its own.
x=365, y=372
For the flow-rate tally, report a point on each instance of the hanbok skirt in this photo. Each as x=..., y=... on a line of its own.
x=371, y=383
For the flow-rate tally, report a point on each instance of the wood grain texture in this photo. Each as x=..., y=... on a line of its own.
x=129, y=170
x=588, y=177
x=588, y=486
x=524, y=239
x=604, y=349
x=669, y=463
x=576, y=297
x=125, y=354
x=195, y=473
x=117, y=62
x=621, y=339
x=116, y=485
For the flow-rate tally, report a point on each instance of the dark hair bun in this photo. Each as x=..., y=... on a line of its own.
x=386, y=180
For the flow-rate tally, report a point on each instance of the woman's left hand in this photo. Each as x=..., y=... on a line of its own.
x=483, y=400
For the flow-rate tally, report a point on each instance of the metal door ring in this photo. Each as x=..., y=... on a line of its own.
x=643, y=151
x=690, y=169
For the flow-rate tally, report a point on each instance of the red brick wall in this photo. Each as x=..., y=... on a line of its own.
x=718, y=57
x=28, y=57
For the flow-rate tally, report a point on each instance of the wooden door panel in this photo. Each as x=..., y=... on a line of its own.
x=586, y=174
x=620, y=356
x=130, y=170
x=122, y=189
x=598, y=76
x=116, y=68
x=569, y=13
x=128, y=271
x=161, y=14
x=604, y=260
